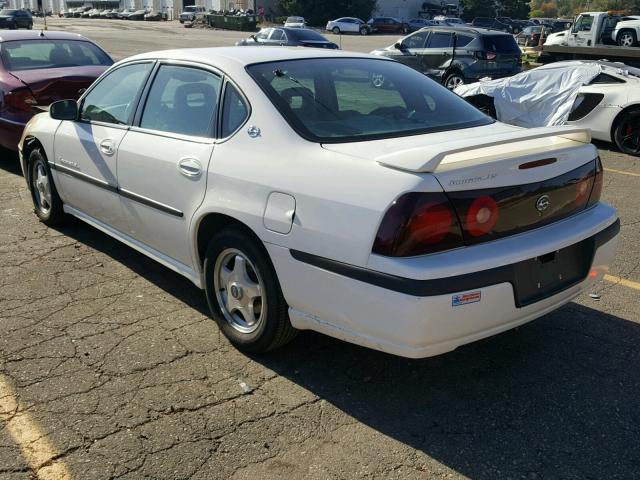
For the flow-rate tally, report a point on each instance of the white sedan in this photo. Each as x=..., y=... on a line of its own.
x=295, y=22
x=348, y=25
x=299, y=196
x=601, y=96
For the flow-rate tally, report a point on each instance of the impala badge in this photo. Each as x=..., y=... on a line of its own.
x=543, y=203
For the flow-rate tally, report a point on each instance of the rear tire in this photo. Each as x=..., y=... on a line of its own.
x=627, y=38
x=47, y=204
x=244, y=294
x=364, y=31
x=626, y=134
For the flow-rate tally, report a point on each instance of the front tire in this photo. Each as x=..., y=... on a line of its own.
x=364, y=31
x=453, y=80
x=627, y=38
x=626, y=134
x=46, y=201
x=244, y=294
x=335, y=30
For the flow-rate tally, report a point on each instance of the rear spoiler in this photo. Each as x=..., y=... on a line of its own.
x=429, y=158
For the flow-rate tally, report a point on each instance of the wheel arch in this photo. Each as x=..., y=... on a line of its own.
x=30, y=143
x=616, y=120
x=212, y=222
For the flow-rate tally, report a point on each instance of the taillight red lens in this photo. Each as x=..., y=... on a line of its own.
x=482, y=216
x=417, y=224
x=596, y=191
x=491, y=55
x=20, y=99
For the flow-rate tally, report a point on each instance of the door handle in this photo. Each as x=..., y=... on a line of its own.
x=107, y=147
x=190, y=167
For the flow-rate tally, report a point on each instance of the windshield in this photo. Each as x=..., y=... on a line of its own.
x=295, y=20
x=500, y=43
x=7, y=12
x=335, y=100
x=36, y=54
x=190, y=9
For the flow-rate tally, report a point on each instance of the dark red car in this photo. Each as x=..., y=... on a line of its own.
x=38, y=68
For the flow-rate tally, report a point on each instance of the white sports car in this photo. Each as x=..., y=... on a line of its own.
x=601, y=96
x=300, y=196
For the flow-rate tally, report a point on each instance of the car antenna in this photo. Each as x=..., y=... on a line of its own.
x=41, y=34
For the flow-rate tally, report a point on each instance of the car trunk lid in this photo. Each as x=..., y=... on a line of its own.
x=50, y=85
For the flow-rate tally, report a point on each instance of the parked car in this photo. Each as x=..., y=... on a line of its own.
x=295, y=22
x=79, y=12
x=530, y=36
x=416, y=24
x=113, y=14
x=601, y=96
x=124, y=14
x=12, y=19
x=477, y=54
x=87, y=13
x=450, y=21
x=387, y=25
x=37, y=68
x=190, y=12
x=290, y=37
x=491, y=24
x=627, y=32
x=348, y=25
x=95, y=13
x=137, y=15
x=374, y=215
x=155, y=16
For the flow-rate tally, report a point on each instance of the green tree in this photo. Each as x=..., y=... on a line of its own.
x=318, y=12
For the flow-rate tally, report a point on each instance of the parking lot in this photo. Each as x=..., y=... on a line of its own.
x=111, y=368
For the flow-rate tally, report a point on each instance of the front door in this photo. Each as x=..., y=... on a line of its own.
x=163, y=159
x=412, y=51
x=86, y=150
x=438, y=54
x=582, y=32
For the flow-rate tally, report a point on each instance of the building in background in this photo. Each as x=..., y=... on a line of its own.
x=406, y=9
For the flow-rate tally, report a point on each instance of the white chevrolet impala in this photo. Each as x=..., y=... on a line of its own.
x=300, y=196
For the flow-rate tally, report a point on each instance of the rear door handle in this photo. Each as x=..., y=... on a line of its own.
x=107, y=147
x=190, y=167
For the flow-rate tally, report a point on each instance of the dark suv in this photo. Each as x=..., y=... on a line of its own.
x=12, y=19
x=454, y=56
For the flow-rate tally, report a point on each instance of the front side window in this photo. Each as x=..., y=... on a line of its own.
x=39, y=54
x=263, y=34
x=277, y=35
x=182, y=100
x=234, y=111
x=416, y=40
x=113, y=99
x=441, y=40
x=334, y=100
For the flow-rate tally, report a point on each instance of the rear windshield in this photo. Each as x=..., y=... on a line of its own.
x=35, y=54
x=7, y=12
x=500, y=43
x=335, y=100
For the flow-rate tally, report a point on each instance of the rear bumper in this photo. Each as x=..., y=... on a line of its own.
x=418, y=318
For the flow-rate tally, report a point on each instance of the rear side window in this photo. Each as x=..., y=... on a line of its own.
x=234, y=111
x=500, y=43
x=182, y=100
x=35, y=54
x=463, y=40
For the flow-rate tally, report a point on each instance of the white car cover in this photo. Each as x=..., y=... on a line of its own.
x=541, y=97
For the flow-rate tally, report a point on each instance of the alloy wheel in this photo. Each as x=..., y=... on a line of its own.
x=239, y=290
x=630, y=139
x=41, y=187
x=454, y=81
x=626, y=40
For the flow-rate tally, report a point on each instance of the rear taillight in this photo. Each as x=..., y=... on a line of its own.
x=417, y=224
x=482, y=216
x=596, y=191
x=491, y=55
x=20, y=99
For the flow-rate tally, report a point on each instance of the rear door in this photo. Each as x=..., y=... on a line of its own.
x=86, y=150
x=163, y=159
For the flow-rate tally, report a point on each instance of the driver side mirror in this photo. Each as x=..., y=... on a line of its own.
x=253, y=37
x=64, y=110
x=398, y=46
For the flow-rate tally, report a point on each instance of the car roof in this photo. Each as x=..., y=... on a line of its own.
x=242, y=56
x=471, y=30
x=8, y=35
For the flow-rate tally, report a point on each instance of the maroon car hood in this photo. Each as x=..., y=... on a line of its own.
x=52, y=84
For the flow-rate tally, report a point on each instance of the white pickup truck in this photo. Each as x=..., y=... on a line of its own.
x=190, y=13
x=592, y=37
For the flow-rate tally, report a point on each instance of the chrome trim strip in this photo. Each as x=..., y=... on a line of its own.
x=83, y=176
x=115, y=189
x=150, y=203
